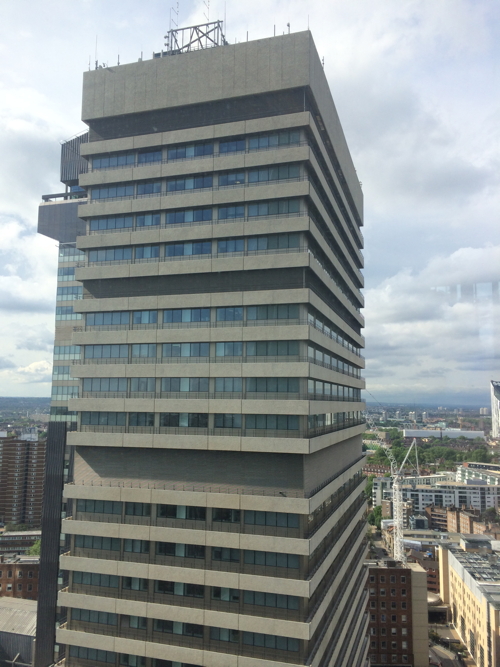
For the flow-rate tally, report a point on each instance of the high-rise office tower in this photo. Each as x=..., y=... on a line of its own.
x=217, y=502
x=495, y=408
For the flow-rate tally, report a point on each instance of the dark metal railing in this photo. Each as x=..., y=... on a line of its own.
x=227, y=395
x=293, y=358
x=225, y=324
x=240, y=432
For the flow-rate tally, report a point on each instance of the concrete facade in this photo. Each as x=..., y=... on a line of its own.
x=217, y=504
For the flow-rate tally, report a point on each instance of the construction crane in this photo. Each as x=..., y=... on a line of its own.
x=397, y=491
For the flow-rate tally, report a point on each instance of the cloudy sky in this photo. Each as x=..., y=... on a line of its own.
x=417, y=88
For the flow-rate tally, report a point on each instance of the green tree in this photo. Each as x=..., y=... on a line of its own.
x=16, y=527
x=374, y=518
x=35, y=549
x=369, y=487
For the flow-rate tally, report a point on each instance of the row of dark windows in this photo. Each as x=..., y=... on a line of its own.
x=192, y=215
x=191, y=420
x=174, y=315
x=125, y=659
x=191, y=512
x=193, y=248
x=196, y=182
x=198, y=149
x=223, y=349
x=281, y=348
x=196, y=551
x=69, y=293
x=222, y=314
x=217, y=634
x=261, y=385
x=218, y=593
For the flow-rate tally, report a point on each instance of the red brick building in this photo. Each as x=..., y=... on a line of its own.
x=19, y=577
x=397, y=607
x=22, y=466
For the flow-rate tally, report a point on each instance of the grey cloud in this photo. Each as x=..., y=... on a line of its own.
x=6, y=363
x=40, y=379
x=37, y=342
x=432, y=373
x=25, y=304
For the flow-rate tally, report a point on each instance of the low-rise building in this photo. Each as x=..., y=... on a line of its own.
x=427, y=560
x=18, y=541
x=397, y=607
x=419, y=522
x=19, y=577
x=489, y=473
x=440, y=493
x=438, y=518
x=17, y=631
x=470, y=585
x=442, y=433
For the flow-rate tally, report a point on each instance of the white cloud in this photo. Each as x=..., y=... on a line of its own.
x=38, y=371
x=413, y=83
x=435, y=342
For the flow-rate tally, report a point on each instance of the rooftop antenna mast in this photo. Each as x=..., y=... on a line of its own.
x=176, y=12
x=207, y=5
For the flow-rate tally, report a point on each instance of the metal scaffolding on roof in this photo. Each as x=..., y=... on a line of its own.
x=193, y=38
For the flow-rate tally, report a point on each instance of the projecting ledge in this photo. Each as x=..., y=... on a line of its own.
x=200, y=616
x=279, y=445
x=160, y=651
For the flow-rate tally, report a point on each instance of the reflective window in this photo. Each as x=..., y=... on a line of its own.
x=278, y=312
x=189, y=151
x=184, y=384
x=188, y=248
x=101, y=319
x=273, y=242
x=228, y=384
x=111, y=222
x=230, y=314
x=272, y=422
x=105, y=384
x=189, y=215
x=272, y=348
x=190, y=183
x=110, y=254
x=279, y=207
x=232, y=145
x=231, y=178
x=186, y=349
x=186, y=315
x=184, y=419
x=112, y=161
x=113, y=191
x=146, y=157
x=149, y=188
x=148, y=220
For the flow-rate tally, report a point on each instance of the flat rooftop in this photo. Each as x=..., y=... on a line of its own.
x=481, y=567
x=18, y=616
